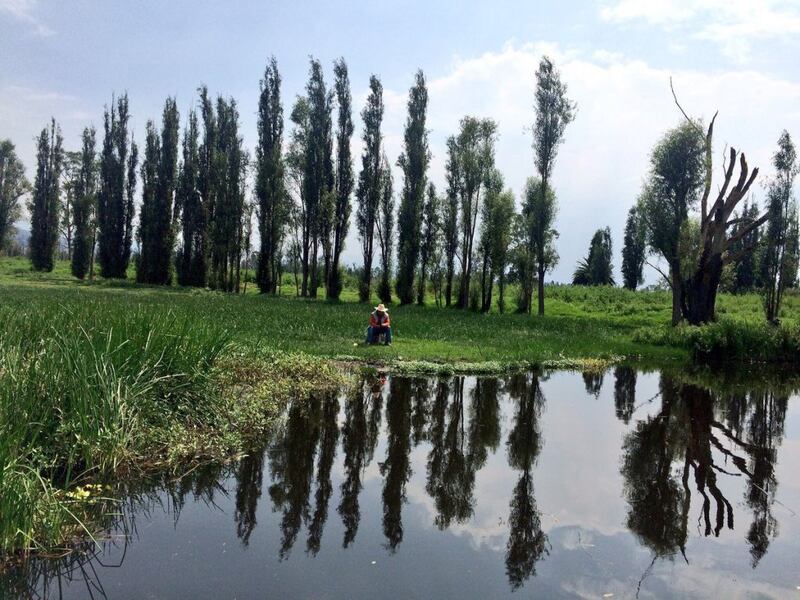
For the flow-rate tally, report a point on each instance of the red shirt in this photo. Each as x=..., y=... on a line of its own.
x=377, y=319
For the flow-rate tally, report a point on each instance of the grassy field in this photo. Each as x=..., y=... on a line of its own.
x=580, y=322
x=98, y=379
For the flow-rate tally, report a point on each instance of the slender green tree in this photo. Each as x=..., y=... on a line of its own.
x=781, y=254
x=84, y=186
x=634, y=250
x=384, y=227
x=318, y=177
x=46, y=196
x=430, y=237
x=449, y=217
x=369, y=192
x=66, y=210
x=13, y=185
x=344, y=175
x=539, y=256
x=414, y=164
x=474, y=151
x=227, y=210
x=192, y=258
x=554, y=111
x=270, y=186
x=746, y=268
x=115, y=202
x=497, y=213
x=596, y=268
x=156, y=233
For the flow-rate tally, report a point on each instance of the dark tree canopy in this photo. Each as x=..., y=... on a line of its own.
x=369, y=192
x=634, y=250
x=115, y=202
x=414, y=164
x=344, y=175
x=192, y=202
x=596, y=268
x=270, y=189
x=156, y=234
x=84, y=185
x=44, y=206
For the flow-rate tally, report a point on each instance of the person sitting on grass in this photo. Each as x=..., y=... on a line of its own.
x=379, y=324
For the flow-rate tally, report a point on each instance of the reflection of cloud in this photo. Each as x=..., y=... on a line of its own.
x=732, y=24
x=24, y=10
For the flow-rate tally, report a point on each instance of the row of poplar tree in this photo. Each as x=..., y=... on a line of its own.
x=194, y=217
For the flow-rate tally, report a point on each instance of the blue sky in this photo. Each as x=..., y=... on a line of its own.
x=739, y=56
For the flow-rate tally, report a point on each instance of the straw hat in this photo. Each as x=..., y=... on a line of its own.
x=381, y=308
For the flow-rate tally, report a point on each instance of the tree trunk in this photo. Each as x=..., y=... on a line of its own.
x=540, y=289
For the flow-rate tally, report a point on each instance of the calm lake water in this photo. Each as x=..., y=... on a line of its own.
x=558, y=486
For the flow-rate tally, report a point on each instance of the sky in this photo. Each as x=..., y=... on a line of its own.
x=65, y=59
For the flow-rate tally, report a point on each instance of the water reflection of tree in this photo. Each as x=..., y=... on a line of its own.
x=624, y=392
x=329, y=435
x=687, y=434
x=359, y=437
x=292, y=469
x=593, y=382
x=756, y=423
x=527, y=543
x=396, y=469
x=249, y=478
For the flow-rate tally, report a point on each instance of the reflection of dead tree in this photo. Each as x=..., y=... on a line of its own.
x=686, y=430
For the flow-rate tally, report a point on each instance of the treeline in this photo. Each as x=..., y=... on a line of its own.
x=195, y=214
x=459, y=246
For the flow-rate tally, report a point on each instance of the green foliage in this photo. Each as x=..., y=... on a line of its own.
x=192, y=201
x=156, y=233
x=385, y=229
x=13, y=185
x=728, y=339
x=596, y=268
x=115, y=201
x=781, y=245
x=44, y=206
x=414, y=163
x=344, y=176
x=536, y=253
x=84, y=187
x=369, y=192
x=270, y=187
x=634, y=250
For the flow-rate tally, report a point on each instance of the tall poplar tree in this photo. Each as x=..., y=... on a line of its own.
x=554, y=111
x=450, y=216
x=634, y=250
x=344, y=175
x=156, y=234
x=384, y=226
x=13, y=185
x=270, y=188
x=84, y=186
x=318, y=177
x=115, y=203
x=430, y=235
x=45, y=201
x=474, y=153
x=369, y=192
x=192, y=257
x=414, y=164
x=227, y=208
x=781, y=244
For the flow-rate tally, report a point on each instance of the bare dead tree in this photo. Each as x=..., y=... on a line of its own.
x=716, y=241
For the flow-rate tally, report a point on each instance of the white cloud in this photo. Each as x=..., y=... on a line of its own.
x=732, y=24
x=24, y=10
